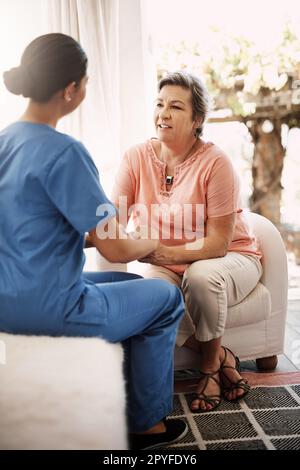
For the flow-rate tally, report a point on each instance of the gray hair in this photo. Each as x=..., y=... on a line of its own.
x=200, y=97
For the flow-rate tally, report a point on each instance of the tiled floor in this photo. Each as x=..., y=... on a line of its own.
x=267, y=418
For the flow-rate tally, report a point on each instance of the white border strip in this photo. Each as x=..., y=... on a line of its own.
x=261, y=434
x=192, y=423
x=292, y=393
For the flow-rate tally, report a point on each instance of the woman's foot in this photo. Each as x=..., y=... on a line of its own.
x=208, y=393
x=234, y=386
x=226, y=376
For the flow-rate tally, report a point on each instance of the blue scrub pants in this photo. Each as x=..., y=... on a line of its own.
x=143, y=314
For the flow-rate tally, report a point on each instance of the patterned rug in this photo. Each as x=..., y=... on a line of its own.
x=268, y=418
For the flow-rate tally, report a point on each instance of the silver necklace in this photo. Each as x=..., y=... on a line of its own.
x=169, y=178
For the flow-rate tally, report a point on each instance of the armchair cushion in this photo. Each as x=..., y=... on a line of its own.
x=254, y=308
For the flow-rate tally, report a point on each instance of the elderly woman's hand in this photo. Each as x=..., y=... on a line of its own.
x=162, y=255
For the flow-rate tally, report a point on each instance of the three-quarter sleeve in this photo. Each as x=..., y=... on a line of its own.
x=124, y=186
x=222, y=192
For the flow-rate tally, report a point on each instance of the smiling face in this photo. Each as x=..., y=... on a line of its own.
x=173, y=116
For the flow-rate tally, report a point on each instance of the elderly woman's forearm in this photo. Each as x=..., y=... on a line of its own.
x=205, y=248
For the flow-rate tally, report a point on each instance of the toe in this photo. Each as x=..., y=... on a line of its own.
x=198, y=404
x=195, y=405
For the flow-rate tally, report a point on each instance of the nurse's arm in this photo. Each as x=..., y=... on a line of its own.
x=112, y=242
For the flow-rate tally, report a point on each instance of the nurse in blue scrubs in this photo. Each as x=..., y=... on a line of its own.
x=50, y=196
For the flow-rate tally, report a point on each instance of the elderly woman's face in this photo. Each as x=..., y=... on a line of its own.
x=173, y=115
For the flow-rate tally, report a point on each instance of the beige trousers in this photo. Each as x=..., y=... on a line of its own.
x=210, y=287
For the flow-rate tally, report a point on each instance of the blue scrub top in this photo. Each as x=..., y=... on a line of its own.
x=49, y=195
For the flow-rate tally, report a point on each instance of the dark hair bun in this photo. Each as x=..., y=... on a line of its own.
x=14, y=80
x=48, y=64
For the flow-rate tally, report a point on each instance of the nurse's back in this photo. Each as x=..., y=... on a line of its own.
x=40, y=252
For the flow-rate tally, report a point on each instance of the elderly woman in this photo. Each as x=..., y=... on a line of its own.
x=220, y=265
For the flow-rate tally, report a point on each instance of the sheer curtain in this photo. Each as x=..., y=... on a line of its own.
x=20, y=23
x=95, y=25
x=114, y=113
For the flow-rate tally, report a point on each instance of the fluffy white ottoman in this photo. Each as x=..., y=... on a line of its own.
x=61, y=393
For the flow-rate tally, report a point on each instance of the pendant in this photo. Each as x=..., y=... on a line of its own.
x=169, y=179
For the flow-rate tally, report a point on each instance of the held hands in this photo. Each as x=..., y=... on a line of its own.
x=160, y=256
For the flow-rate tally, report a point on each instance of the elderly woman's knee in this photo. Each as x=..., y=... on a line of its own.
x=201, y=282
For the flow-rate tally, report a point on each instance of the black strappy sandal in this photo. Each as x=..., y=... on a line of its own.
x=228, y=385
x=213, y=400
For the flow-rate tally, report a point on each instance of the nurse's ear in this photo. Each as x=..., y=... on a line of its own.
x=69, y=92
